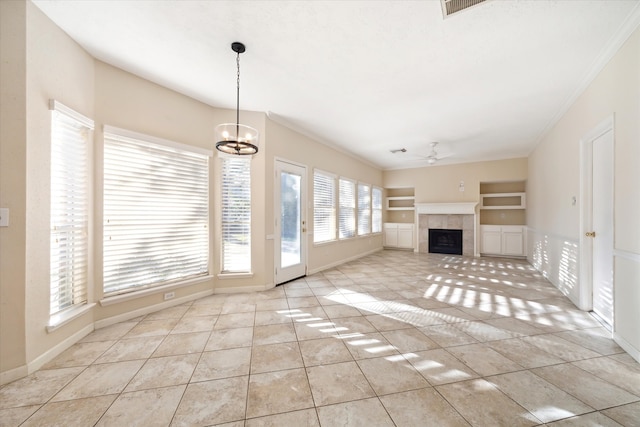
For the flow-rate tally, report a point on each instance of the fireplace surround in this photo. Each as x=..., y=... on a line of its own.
x=447, y=216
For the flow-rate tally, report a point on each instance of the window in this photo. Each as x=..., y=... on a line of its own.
x=70, y=138
x=156, y=216
x=347, y=214
x=236, y=215
x=324, y=207
x=364, y=209
x=376, y=210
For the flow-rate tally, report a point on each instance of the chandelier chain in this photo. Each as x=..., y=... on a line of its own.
x=238, y=89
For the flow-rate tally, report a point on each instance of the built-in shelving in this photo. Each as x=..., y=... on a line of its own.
x=503, y=201
x=400, y=203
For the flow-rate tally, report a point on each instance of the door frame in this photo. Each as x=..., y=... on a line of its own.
x=586, y=208
x=303, y=217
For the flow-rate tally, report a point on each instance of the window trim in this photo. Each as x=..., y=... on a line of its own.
x=125, y=135
x=369, y=187
x=334, y=206
x=375, y=187
x=354, y=208
x=228, y=274
x=64, y=315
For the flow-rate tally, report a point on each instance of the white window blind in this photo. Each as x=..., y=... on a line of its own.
x=156, y=212
x=324, y=207
x=70, y=137
x=364, y=209
x=347, y=212
x=376, y=210
x=236, y=214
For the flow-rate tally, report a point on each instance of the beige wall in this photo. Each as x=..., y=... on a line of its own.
x=57, y=68
x=13, y=182
x=40, y=62
x=439, y=184
x=554, y=177
x=286, y=144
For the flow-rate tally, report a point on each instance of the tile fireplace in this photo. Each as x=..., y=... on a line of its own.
x=447, y=216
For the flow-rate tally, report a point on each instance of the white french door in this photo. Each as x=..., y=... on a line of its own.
x=291, y=221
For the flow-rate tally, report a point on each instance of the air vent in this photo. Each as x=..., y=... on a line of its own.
x=450, y=7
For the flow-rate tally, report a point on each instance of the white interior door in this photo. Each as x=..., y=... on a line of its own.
x=291, y=221
x=602, y=220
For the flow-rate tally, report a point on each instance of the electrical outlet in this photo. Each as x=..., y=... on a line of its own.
x=169, y=295
x=4, y=217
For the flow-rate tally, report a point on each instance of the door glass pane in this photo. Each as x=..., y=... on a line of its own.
x=289, y=219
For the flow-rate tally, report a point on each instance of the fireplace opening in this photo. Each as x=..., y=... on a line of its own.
x=445, y=241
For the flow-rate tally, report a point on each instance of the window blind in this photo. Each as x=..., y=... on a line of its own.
x=236, y=214
x=347, y=212
x=364, y=209
x=155, y=211
x=324, y=207
x=376, y=210
x=70, y=136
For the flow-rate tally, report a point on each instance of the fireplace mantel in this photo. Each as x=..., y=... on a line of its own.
x=464, y=208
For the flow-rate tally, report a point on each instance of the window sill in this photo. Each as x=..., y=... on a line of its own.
x=58, y=320
x=115, y=299
x=224, y=276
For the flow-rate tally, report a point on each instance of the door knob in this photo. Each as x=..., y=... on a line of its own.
x=590, y=234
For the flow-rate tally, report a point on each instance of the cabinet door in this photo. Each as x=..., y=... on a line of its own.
x=391, y=235
x=512, y=241
x=491, y=240
x=405, y=236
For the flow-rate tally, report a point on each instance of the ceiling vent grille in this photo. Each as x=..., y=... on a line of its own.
x=450, y=7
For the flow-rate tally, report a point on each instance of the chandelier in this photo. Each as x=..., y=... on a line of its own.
x=235, y=138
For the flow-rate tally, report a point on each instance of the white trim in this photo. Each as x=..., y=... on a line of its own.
x=54, y=351
x=118, y=133
x=13, y=374
x=630, y=256
x=468, y=208
x=325, y=173
x=149, y=309
x=239, y=289
x=343, y=261
x=631, y=350
x=606, y=54
x=60, y=319
x=115, y=299
x=60, y=107
x=224, y=276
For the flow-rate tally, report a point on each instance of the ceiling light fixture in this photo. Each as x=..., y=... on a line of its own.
x=234, y=138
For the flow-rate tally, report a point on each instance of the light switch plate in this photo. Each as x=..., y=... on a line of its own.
x=4, y=217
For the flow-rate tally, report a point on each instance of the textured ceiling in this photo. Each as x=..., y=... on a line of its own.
x=369, y=76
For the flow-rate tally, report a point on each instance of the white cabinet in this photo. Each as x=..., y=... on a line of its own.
x=398, y=235
x=502, y=240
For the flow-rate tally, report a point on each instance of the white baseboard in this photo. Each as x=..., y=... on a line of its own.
x=13, y=374
x=54, y=351
x=150, y=309
x=241, y=289
x=337, y=263
x=633, y=352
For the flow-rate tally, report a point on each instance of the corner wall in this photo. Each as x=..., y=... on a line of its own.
x=13, y=182
x=286, y=144
x=554, y=178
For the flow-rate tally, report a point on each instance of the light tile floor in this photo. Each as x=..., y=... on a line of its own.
x=395, y=338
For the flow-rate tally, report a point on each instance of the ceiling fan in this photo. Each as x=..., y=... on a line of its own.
x=433, y=155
